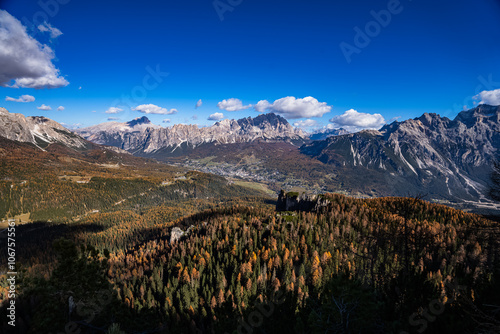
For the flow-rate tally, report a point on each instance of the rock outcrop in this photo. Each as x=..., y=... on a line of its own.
x=292, y=201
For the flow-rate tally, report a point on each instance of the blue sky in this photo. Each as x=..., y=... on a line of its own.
x=426, y=56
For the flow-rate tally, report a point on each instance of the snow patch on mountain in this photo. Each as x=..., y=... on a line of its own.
x=37, y=130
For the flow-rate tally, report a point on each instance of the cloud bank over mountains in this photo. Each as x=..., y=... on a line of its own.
x=491, y=97
x=293, y=108
x=353, y=120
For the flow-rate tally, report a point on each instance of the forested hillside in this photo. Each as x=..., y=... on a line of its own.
x=63, y=184
x=355, y=266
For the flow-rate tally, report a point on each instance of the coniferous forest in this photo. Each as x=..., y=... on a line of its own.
x=388, y=265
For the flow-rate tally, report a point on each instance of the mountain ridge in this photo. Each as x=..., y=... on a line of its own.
x=429, y=150
x=38, y=130
x=150, y=138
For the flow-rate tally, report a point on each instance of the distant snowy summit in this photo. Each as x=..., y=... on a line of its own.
x=326, y=133
x=136, y=125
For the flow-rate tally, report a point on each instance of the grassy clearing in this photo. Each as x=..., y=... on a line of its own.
x=208, y=161
x=255, y=186
x=76, y=178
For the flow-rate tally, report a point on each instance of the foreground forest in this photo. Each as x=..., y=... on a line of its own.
x=388, y=265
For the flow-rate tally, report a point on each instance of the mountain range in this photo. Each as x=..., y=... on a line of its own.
x=452, y=158
x=141, y=136
x=447, y=160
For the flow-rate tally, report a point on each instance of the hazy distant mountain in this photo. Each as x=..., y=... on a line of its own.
x=325, y=133
x=37, y=130
x=140, y=136
x=136, y=125
x=433, y=154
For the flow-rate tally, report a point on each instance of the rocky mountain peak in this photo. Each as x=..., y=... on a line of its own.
x=139, y=121
x=480, y=113
x=38, y=130
x=272, y=119
x=430, y=120
x=224, y=123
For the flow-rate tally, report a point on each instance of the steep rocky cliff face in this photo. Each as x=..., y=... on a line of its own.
x=294, y=202
x=37, y=130
x=451, y=157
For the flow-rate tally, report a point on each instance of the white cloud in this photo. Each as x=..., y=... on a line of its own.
x=60, y=108
x=80, y=87
x=292, y=108
x=166, y=120
x=94, y=110
x=232, y=104
x=23, y=59
x=46, y=27
x=154, y=109
x=491, y=97
x=199, y=103
x=308, y=123
x=194, y=117
x=22, y=98
x=113, y=110
x=44, y=107
x=352, y=120
x=113, y=118
x=216, y=117
x=262, y=105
